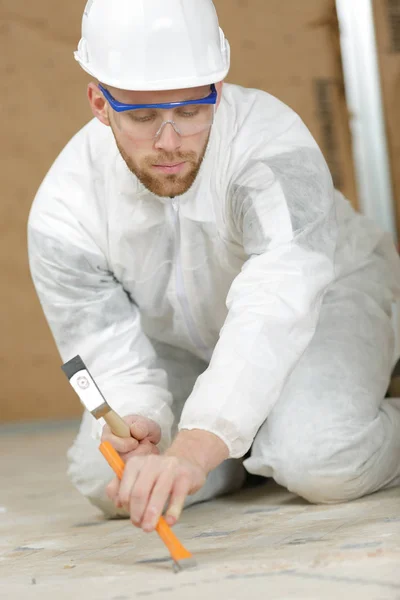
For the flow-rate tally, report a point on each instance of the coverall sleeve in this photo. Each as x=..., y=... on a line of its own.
x=283, y=217
x=89, y=313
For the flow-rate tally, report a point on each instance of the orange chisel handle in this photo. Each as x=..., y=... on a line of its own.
x=176, y=549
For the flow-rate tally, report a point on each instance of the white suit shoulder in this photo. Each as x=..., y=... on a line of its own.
x=256, y=116
x=71, y=196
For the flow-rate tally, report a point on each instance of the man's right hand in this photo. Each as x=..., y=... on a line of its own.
x=145, y=435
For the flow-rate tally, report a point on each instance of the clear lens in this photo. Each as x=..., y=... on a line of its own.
x=147, y=124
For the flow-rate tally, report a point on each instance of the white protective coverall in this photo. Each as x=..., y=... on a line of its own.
x=258, y=302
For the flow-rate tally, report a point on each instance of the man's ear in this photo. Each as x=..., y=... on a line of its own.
x=218, y=87
x=98, y=103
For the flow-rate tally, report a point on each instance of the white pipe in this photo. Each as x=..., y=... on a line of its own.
x=364, y=99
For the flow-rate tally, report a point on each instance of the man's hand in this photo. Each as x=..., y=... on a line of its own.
x=145, y=434
x=149, y=481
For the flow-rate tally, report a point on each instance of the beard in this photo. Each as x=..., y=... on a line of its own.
x=165, y=185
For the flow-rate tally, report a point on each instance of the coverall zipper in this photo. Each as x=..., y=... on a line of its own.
x=180, y=286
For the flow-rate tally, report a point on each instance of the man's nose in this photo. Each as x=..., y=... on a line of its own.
x=168, y=139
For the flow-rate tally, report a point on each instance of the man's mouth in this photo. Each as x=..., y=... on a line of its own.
x=170, y=168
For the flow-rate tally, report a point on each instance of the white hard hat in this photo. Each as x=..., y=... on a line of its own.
x=153, y=44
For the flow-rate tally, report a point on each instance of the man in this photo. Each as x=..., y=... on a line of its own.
x=189, y=245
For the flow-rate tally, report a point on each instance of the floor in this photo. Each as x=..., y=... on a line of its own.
x=263, y=542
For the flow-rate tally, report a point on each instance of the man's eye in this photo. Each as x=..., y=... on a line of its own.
x=140, y=118
x=187, y=114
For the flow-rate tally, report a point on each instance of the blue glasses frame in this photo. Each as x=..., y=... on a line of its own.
x=122, y=107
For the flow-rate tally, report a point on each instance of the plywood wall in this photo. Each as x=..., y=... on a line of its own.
x=42, y=95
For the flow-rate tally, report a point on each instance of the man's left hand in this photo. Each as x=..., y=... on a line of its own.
x=147, y=484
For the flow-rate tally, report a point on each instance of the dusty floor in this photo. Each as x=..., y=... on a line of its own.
x=261, y=543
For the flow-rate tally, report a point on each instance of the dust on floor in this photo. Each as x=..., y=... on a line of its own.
x=262, y=542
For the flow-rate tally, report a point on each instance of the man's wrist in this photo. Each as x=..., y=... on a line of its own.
x=200, y=446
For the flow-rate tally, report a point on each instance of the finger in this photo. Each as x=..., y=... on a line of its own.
x=143, y=428
x=112, y=490
x=158, y=498
x=131, y=471
x=178, y=496
x=145, y=448
x=142, y=489
x=121, y=445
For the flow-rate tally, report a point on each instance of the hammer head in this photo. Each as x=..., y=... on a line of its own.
x=85, y=386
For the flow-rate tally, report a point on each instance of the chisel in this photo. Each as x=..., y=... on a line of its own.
x=183, y=559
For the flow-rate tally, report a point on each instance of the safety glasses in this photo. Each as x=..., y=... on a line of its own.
x=122, y=107
x=146, y=121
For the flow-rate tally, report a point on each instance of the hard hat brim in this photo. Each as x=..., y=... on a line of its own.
x=153, y=86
